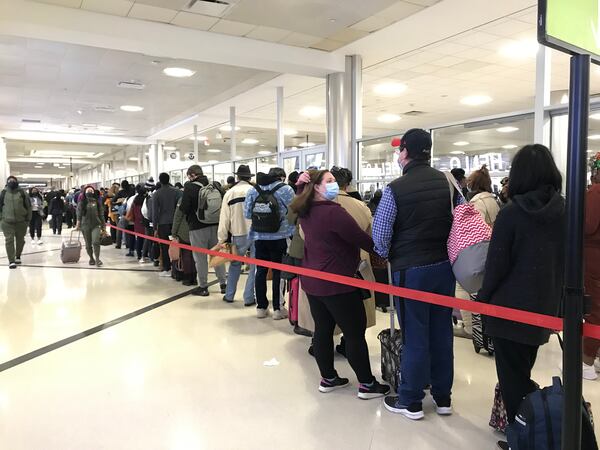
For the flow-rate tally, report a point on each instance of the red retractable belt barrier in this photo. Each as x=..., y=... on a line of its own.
x=501, y=312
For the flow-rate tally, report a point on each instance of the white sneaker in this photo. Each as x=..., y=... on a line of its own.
x=164, y=274
x=589, y=372
x=597, y=365
x=262, y=313
x=40, y=242
x=34, y=242
x=279, y=314
x=142, y=261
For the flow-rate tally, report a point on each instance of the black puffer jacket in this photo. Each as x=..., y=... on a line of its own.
x=526, y=262
x=423, y=217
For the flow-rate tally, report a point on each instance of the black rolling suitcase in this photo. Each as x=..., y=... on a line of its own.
x=480, y=339
x=391, y=345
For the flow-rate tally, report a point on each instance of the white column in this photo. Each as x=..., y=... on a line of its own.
x=196, y=151
x=145, y=159
x=153, y=161
x=4, y=165
x=160, y=158
x=232, y=123
x=140, y=155
x=543, y=74
x=125, y=162
x=355, y=94
x=280, y=133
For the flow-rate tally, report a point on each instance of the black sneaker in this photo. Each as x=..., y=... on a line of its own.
x=302, y=331
x=329, y=386
x=188, y=283
x=18, y=261
x=413, y=411
x=226, y=300
x=223, y=288
x=99, y=263
x=503, y=445
x=156, y=263
x=92, y=262
x=12, y=265
x=117, y=247
x=129, y=254
x=375, y=390
x=201, y=291
x=250, y=304
x=443, y=406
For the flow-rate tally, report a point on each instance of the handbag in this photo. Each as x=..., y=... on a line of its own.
x=105, y=239
x=174, y=252
x=498, y=419
x=290, y=261
x=215, y=261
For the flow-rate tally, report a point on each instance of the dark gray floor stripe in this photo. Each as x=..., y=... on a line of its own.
x=35, y=253
x=63, y=342
x=88, y=268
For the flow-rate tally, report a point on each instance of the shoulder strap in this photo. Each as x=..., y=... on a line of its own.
x=276, y=188
x=2, y=194
x=236, y=200
x=24, y=197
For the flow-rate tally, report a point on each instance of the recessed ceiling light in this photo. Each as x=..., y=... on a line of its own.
x=169, y=147
x=80, y=112
x=289, y=132
x=312, y=112
x=213, y=150
x=200, y=138
x=507, y=129
x=509, y=146
x=264, y=152
x=389, y=89
x=238, y=157
x=476, y=100
x=306, y=144
x=389, y=118
x=595, y=116
x=250, y=141
x=525, y=48
x=228, y=128
x=132, y=108
x=457, y=152
x=461, y=143
x=178, y=72
x=594, y=137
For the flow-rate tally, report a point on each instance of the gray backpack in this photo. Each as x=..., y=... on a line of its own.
x=209, y=204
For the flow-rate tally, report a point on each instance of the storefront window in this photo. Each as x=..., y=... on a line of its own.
x=378, y=160
x=266, y=163
x=221, y=172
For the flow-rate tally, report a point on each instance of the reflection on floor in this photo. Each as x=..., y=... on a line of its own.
x=191, y=374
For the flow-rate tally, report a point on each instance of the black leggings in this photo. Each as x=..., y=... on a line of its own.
x=35, y=226
x=347, y=311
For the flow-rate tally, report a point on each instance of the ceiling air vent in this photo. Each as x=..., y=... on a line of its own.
x=218, y=2
x=31, y=121
x=413, y=113
x=131, y=85
x=104, y=108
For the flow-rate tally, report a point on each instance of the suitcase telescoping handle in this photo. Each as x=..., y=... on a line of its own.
x=71, y=237
x=392, y=307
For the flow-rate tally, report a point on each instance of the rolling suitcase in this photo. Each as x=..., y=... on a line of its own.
x=480, y=339
x=391, y=346
x=70, y=250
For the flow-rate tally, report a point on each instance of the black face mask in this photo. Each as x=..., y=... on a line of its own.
x=90, y=195
x=12, y=184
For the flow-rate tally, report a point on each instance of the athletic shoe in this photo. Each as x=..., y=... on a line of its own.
x=302, y=331
x=280, y=314
x=223, y=288
x=226, y=300
x=597, y=365
x=156, y=263
x=443, y=406
x=250, y=304
x=261, y=313
x=142, y=261
x=589, y=372
x=12, y=265
x=189, y=283
x=18, y=261
x=92, y=262
x=34, y=242
x=118, y=247
x=503, y=445
x=413, y=412
x=201, y=292
x=130, y=254
x=330, y=386
x=375, y=390
x=99, y=263
x=39, y=242
x=164, y=274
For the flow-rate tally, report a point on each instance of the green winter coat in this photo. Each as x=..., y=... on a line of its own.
x=15, y=206
x=181, y=229
x=93, y=217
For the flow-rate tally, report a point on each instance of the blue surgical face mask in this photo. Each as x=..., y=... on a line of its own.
x=331, y=191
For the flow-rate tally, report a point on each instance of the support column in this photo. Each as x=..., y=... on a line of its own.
x=160, y=158
x=196, y=151
x=153, y=160
x=4, y=165
x=125, y=163
x=344, y=114
x=140, y=155
x=145, y=158
x=543, y=74
x=280, y=133
x=232, y=124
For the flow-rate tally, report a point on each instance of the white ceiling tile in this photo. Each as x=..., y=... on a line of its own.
x=447, y=61
x=301, y=40
x=152, y=13
x=327, y=45
x=196, y=21
x=268, y=34
x=373, y=23
x=474, y=38
x=348, y=35
x=379, y=72
x=424, y=2
x=67, y=3
x=449, y=48
x=510, y=28
x=175, y=5
x=232, y=28
x=473, y=53
x=114, y=7
x=400, y=10
x=469, y=66
x=210, y=9
x=425, y=68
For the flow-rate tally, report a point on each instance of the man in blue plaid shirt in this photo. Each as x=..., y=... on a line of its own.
x=411, y=229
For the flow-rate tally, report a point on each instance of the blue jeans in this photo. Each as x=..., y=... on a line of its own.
x=242, y=244
x=427, y=354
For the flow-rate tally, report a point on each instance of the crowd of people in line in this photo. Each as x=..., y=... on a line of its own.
x=318, y=220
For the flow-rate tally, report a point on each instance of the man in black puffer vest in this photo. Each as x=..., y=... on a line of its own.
x=411, y=229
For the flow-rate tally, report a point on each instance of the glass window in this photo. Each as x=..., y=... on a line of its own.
x=266, y=163
x=221, y=172
x=291, y=163
x=176, y=177
x=317, y=160
x=491, y=143
x=378, y=160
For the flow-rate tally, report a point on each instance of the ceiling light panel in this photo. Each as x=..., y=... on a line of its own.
x=389, y=89
x=312, y=112
x=389, y=118
x=132, y=108
x=179, y=72
x=507, y=129
x=476, y=100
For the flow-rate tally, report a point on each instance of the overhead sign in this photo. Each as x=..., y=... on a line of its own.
x=572, y=26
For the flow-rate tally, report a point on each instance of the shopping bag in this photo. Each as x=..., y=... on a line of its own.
x=215, y=261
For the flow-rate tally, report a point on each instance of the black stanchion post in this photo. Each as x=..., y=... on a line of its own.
x=573, y=307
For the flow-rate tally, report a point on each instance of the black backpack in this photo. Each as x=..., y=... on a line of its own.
x=265, y=211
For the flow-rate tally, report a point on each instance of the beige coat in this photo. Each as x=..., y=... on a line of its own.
x=362, y=214
x=487, y=206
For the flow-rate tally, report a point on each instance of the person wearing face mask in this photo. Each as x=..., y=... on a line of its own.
x=269, y=245
x=411, y=229
x=90, y=220
x=37, y=212
x=332, y=244
x=15, y=215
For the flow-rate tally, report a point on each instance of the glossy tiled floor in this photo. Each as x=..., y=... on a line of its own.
x=190, y=375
